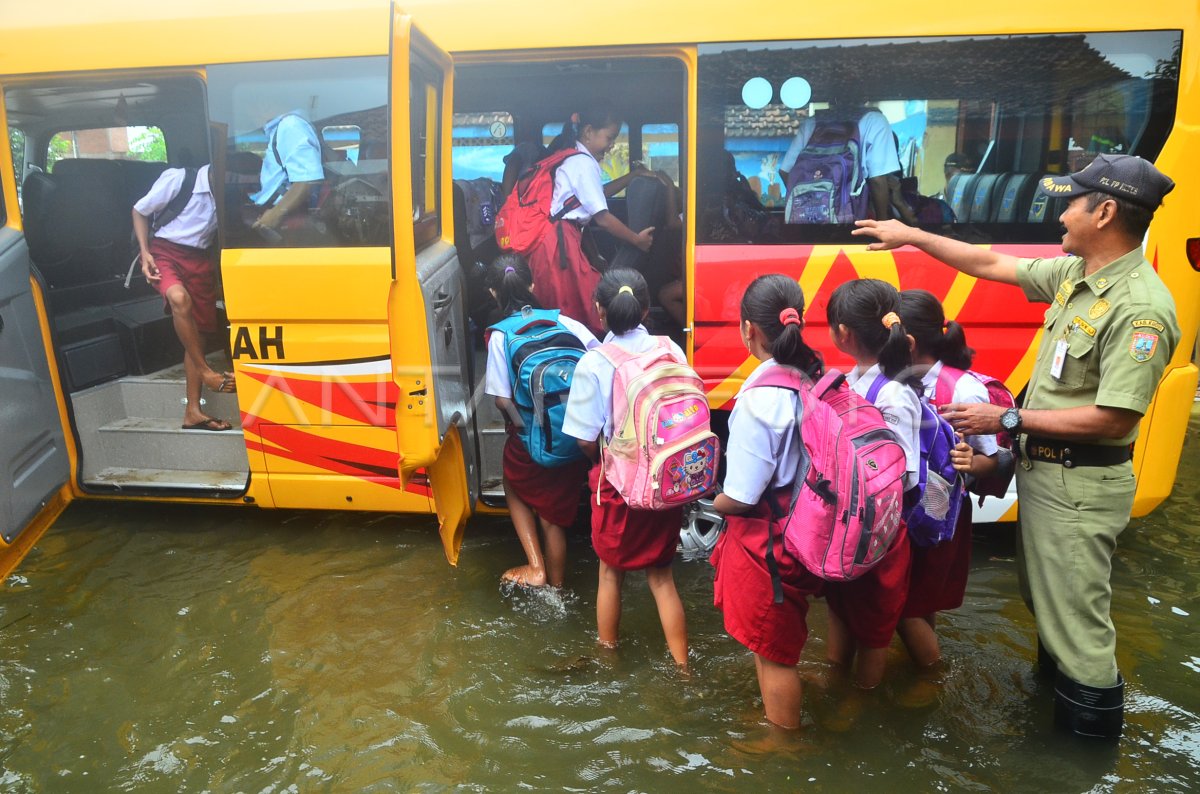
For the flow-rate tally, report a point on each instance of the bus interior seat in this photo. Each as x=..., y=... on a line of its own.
x=983, y=198
x=959, y=192
x=79, y=227
x=474, y=260
x=645, y=206
x=1015, y=194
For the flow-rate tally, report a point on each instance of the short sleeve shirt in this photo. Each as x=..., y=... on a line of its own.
x=497, y=380
x=196, y=224
x=764, y=444
x=967, y=389
x=1117, y=329
x=901, y=409
x=579, y=176
x=879, y=155
x=299, y=157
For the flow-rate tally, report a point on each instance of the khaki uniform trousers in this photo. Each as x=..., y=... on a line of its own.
x=1070, y=518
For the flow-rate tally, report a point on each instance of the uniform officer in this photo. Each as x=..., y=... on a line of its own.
x=1109, y=331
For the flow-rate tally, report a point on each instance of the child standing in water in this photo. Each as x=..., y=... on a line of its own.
x=939, y=573
x=763, y=458
x=534, y=493
x=864, y=612
x=561, y=270
x=625, y=539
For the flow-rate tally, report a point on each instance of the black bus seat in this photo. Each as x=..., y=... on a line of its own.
x=982, y=198
x=1015, y=194
x=1044, y=208
x=959, y=193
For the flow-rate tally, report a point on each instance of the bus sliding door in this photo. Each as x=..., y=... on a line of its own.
x=427, y=311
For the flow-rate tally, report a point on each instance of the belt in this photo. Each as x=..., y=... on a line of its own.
x=1071, y=454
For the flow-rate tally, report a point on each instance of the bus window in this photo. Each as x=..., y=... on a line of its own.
x=660, y=148
x=331, y=116
x=481, y=141
x=108, y=143
x=1015, y=108
x=425, y=107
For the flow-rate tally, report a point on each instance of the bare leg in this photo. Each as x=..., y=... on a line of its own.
x=195, y=367
x=555, y=540
x=672, y=299
x=839, y=647
x=532, y=574
x=670, y=612
x=871, y=664
x=920, y=639
x=608, y=604
x=782, y=693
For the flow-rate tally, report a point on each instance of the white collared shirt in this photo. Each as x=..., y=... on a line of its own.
x=968, y=389
x=901, y=409
x=196, y=225
x=764, y=448
x=581, y=177
x=497, y=380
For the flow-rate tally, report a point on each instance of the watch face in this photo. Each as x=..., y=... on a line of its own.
x=1010, y=419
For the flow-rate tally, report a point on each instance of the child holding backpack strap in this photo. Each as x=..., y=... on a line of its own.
x=548, y=491
x=625, y=538
x=763, y=461
x=561, y=270
x=939, y=573
x=864, y=613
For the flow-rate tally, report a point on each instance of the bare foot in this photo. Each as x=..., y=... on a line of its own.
x=525, y=576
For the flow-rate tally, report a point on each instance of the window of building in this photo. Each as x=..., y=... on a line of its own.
x=108, y=143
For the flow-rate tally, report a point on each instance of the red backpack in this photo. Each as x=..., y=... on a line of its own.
x=997, y=483
x=525, y=214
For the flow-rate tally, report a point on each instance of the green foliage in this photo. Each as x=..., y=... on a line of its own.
x=148, y=145
x=16, y=144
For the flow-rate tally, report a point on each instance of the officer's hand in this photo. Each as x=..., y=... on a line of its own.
x=973, y=419
x=150, y=269
x=961, y=455
x=890, y=233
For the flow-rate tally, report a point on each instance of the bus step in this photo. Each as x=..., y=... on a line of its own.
x=118, y=477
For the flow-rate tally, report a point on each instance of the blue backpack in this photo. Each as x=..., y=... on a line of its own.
x=542, y=354
x=931, y=508
x=827, y=183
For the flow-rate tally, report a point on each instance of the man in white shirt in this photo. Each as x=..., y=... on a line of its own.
x=174, y=243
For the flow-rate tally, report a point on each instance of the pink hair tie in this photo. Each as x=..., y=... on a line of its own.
x=890, y=319
x=789, y=316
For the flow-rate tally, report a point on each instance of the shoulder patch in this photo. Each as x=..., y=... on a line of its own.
x=1064, y=289
x=1143, y=346
x=1155, y=324
x=1098, y=309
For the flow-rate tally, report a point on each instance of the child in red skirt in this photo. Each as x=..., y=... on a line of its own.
x=939, y=573
x=533, y=492
x=762, y=459
x=625, y=539
x=864, y=612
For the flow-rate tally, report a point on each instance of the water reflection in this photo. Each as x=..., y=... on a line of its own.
x=154, y=648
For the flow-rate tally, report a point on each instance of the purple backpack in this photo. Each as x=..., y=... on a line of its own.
x=827, y=184
x=932, y=507
x=847, y=497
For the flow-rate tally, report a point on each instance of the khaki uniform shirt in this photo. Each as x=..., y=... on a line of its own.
x=1117, y=330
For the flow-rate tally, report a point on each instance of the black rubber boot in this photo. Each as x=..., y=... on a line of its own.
x=1088, y=710
x=1047, y=670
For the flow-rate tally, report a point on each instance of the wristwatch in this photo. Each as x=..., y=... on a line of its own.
x=1010, y=420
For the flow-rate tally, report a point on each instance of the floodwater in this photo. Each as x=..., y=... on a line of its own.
x=154, y=648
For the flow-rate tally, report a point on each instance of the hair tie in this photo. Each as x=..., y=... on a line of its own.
x=574, y=118
x=789, y=316
x=509, y=269
x=625, y=288
x=946, y=326
x=890, y=319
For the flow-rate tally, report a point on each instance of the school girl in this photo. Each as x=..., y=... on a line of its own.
x=534, y=493
x=624, y=539
x=938, y=578
x=762, y=458
x=864, y=612
x=562, y=271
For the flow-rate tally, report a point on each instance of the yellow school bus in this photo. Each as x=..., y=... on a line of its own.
x=358, y=347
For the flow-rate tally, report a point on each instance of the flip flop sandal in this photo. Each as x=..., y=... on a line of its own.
x=215, y=425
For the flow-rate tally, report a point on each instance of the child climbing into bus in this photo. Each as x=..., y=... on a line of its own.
x=763, y=458
x=938, y=577
x=564, y=274
x=544, y=471
x=625, y=539
x=864, y=612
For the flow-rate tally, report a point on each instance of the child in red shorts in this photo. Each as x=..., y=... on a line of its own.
x=625, y=539
x=763, y=456
x=533, y=492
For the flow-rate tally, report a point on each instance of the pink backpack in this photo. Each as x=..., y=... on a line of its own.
x=995, y=484
x=849, y=491
x=662, y=453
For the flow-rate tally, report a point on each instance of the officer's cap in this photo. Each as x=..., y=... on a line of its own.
x=1122, y=175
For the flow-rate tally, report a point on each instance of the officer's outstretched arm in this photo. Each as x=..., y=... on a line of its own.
x=974, y=261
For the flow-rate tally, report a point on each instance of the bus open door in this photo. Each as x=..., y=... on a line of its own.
x=33, y=451
x=427, y=315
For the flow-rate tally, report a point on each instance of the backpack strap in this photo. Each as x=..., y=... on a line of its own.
x=832, y=379
x=947, y=382
x=876, y=386
x=177, y=202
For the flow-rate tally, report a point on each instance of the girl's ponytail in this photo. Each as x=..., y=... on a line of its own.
x=512, y=281
x=869, y=307
x=625, y=297
x=775, y=304
x=935, y=337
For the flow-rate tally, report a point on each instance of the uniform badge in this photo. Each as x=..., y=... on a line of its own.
x=1098, y=309
x=1064, y=289
x=1083, y=325
x=1155, y=324
x=1143, y=346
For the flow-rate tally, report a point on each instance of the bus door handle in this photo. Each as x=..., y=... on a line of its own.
x=442, y=299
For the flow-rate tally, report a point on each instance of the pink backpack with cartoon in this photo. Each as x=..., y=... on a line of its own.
x=662, y=453
x=849, y=491
x=995, y=484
